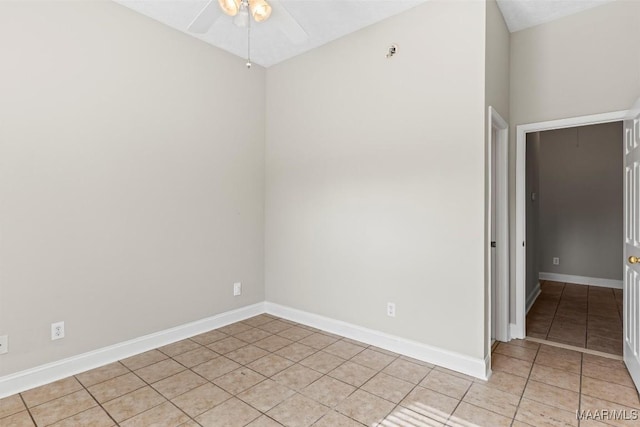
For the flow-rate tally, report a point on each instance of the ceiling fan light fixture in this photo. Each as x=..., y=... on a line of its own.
x=230, y=7
x=242, y=18
x=260, y=10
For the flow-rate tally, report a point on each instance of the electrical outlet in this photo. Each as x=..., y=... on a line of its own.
x=391, y=309
x=4, y=344
x=237, y=289
x=57, y=331
x=556, y=261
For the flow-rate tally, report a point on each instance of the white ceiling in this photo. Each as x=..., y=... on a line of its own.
x=327, y=20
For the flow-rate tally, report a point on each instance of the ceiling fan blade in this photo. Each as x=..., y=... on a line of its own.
x=287, y=23
x=205, y=19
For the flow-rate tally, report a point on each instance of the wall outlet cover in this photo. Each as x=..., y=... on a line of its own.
x=556, y=261
x=391, y=309
x=237, y=289
x=57, y=331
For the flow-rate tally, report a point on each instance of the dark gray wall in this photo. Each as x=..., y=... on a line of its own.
x=581, y=210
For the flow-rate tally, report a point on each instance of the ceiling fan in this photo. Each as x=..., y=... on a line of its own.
x=243, y=11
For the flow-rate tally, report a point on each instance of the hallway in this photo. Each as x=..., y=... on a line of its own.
x=578, y=315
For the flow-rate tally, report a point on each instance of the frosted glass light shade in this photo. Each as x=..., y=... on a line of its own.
x=260, y=10
x=230, y=7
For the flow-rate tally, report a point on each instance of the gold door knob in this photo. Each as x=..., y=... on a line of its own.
x=634, y=259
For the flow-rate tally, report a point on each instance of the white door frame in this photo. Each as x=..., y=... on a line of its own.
x=518, y=328
x=495, y=121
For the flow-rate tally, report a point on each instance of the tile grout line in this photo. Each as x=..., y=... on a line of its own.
x=28, y=409
x=526, y=383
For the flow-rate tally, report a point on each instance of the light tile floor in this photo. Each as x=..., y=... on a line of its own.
x=578, y=315
x=266, y=372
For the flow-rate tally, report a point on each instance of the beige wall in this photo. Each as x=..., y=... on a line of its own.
x=582, y=64
x=497, y=41
x=581, y=214
x=375, y=178
x=132, y=193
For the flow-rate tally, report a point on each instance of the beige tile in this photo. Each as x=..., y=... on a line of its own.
x=559, y=358
x=467, y=415
x=94, y=417
x=296, y=351
x=54, y=390
x=177, y=384
x=234, y=328
x=132, y=404
x=246, y=355
x=553, y=396
x=196, y=357
x=264, y=421
x=430, y=403
x=253, y=335
x=383, y=351
x=270, y=365
x=404, y=417
x=143, y=359
x=407, y=371
x=273, y=343
x=275, y=326
x=209, y=337
x=446, y=384
x=227, y=345
x=216, y=368
x=159, y=371
x=101, y=374
x=297, y=377
x=594, y=406
x=343, y=349
x=232, y=413
x=611, y=392
x=258, y=320
x=165, y=414
x=295, y=333
x=239, y=380
x=510, y=365
x=540, y=415
x=618, y=375
x=11, y=405
x=365, y=407
x=179, y=347
x=19, y=419
x=298, y=411
x=388, y=387
x=519, y=352
x=265, y=395
x=352, y=373
x=455, y=373
x=63, y=407
x=322, y=362
x=318, y=341
x=116, y=387
x=201, y=399
x=557, y=377
x=373, y=359
x=328, y=391
x=525, y=343
x=190, y=423
x=492, y=399
x=336, y=419
x=506, y=382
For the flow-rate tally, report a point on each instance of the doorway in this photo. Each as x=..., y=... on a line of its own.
x=553, y=286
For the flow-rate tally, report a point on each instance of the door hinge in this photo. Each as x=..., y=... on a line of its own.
x=493, y=244
x=523, y=244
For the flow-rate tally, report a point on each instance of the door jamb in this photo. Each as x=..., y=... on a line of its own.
x=518, y=328
x=495, y=121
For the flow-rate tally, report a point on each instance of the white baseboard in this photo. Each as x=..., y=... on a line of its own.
x=40, y=375
x=479, y=368
x=533, y=297
x=581, y=280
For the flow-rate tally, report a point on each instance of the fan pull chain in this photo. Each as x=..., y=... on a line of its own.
x=249, y=43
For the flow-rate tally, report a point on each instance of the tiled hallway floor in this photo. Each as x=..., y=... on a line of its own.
x=578, y=315
x=270, y=372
